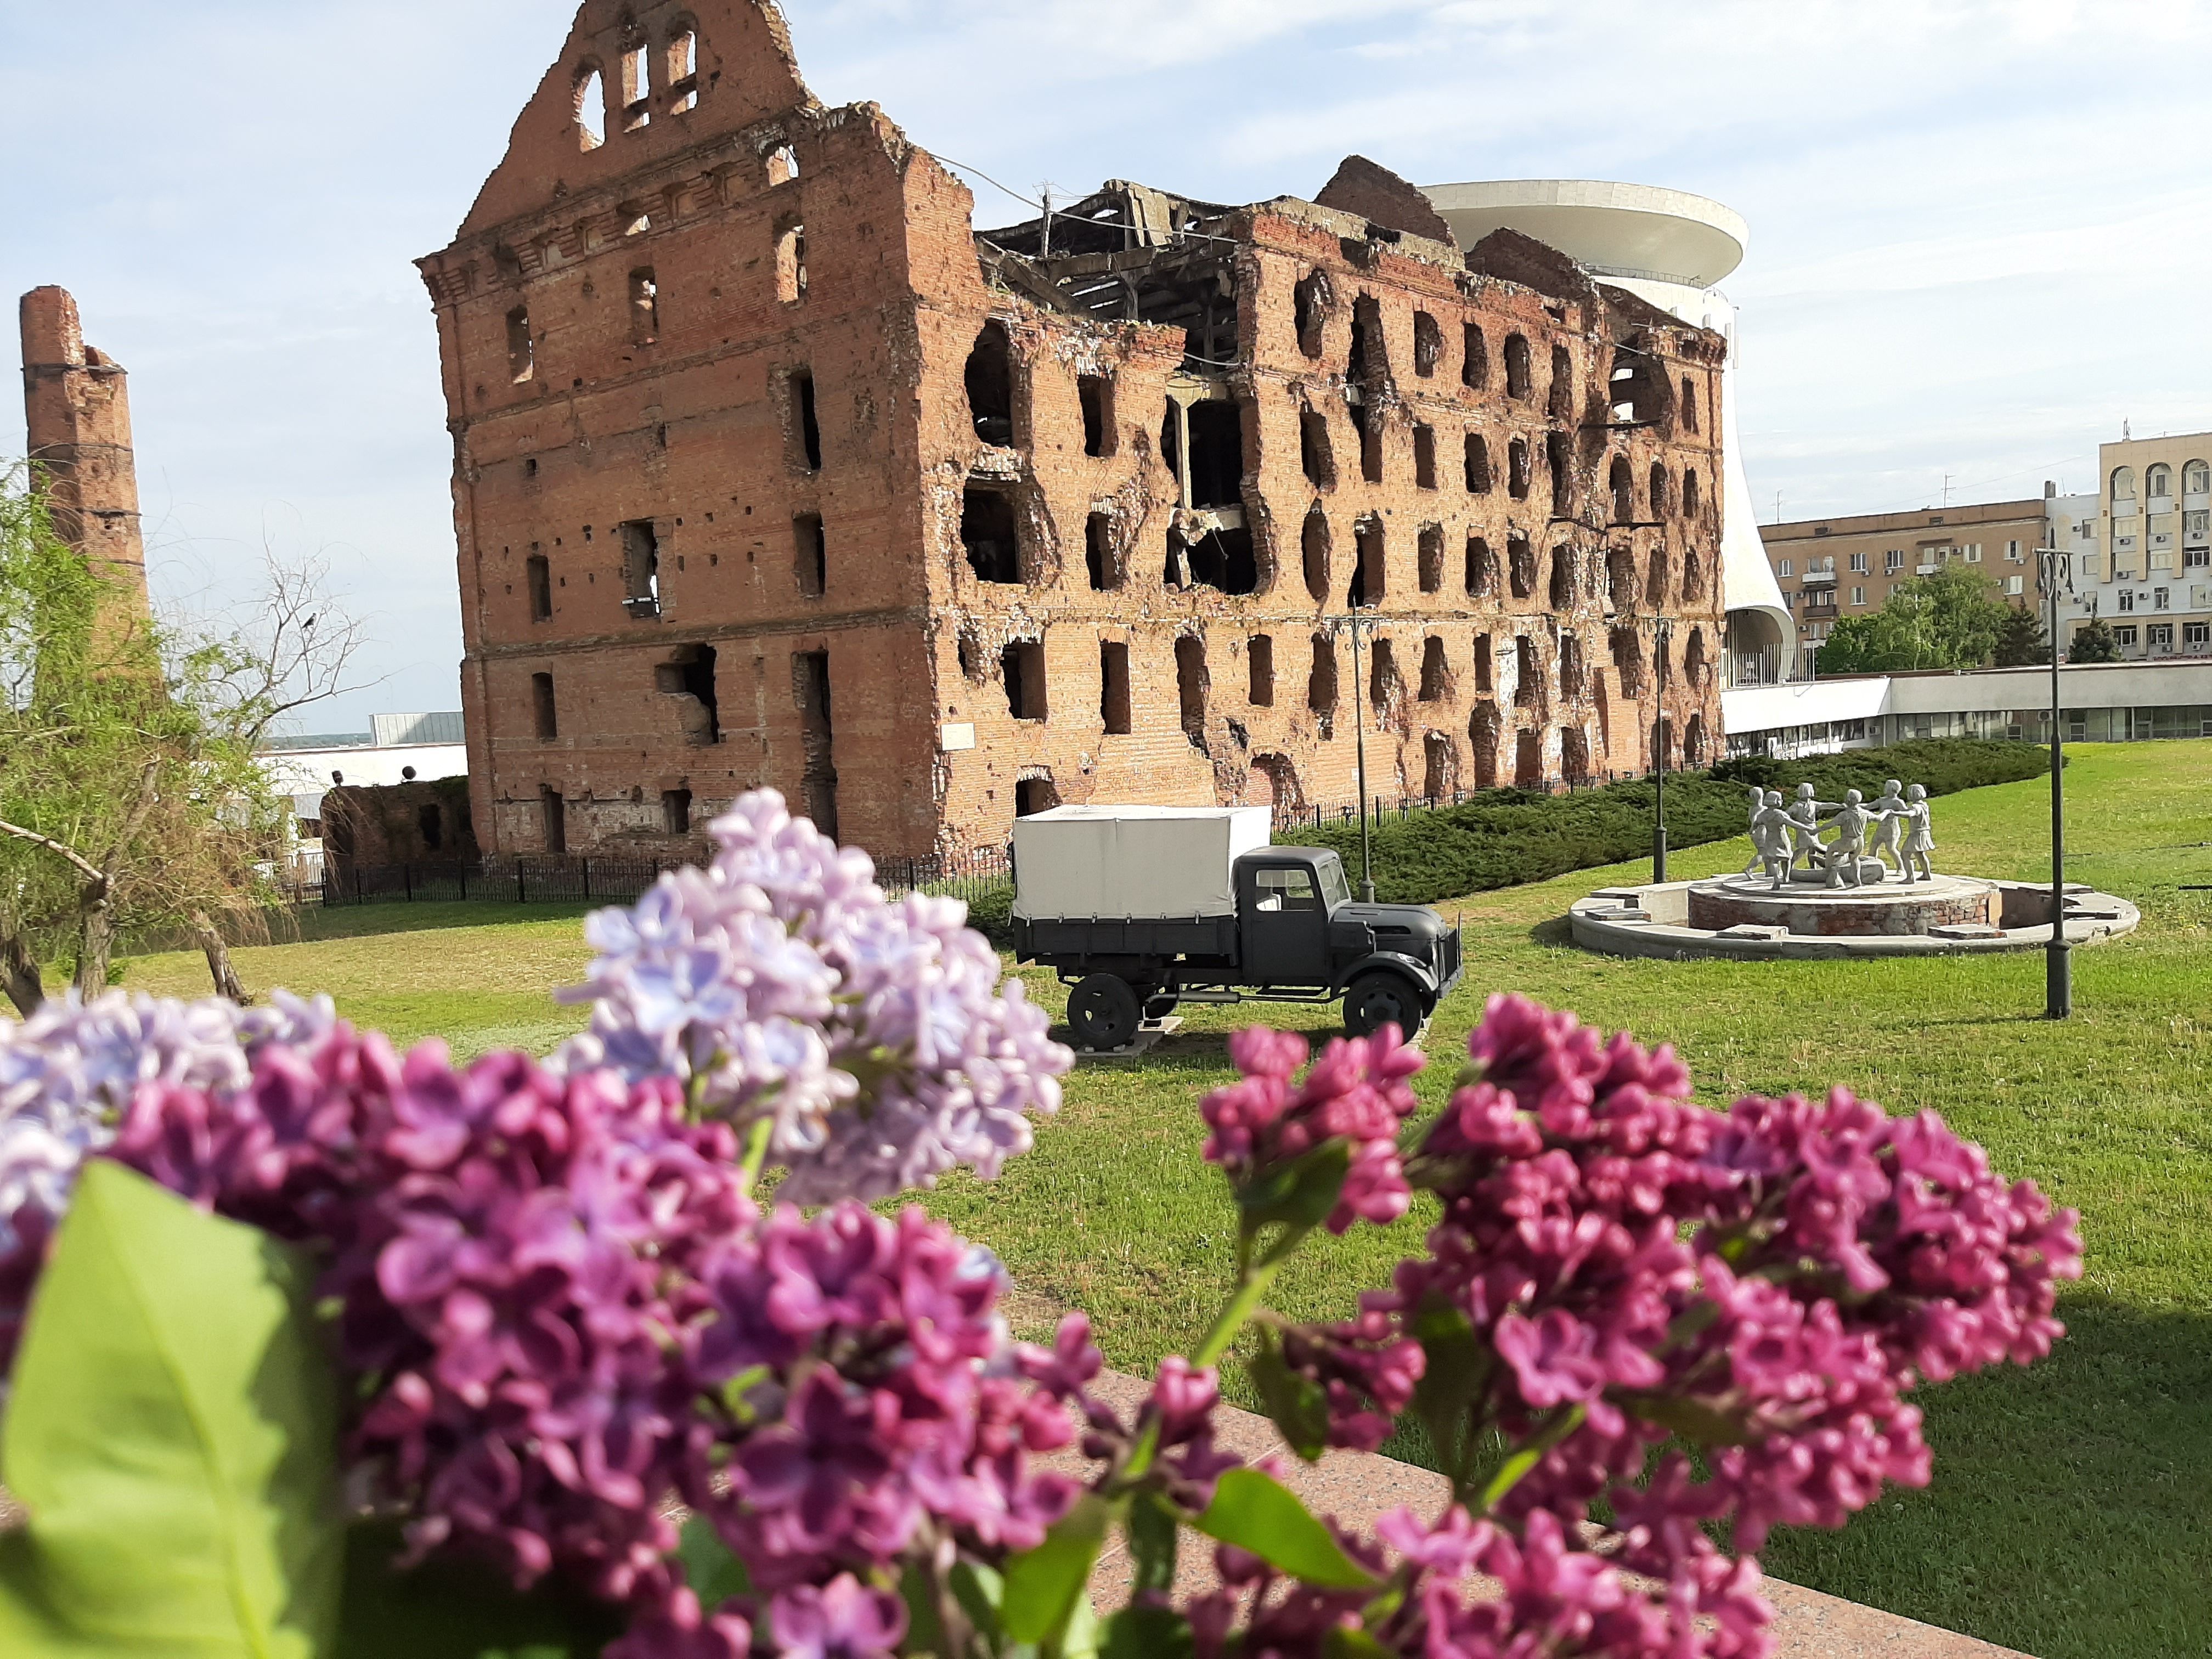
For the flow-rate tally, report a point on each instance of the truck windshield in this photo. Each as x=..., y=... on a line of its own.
x=1334, y=890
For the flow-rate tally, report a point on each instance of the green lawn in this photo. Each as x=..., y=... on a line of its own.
x=2066, y=1517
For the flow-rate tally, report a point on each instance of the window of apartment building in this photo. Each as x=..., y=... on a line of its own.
x=2196, y=635
x=1314, y=452
x=2195, y=478
x=2195, y=524
x=2013, y=553
x=1259, y=666
x=2161, y=599
x=1862, y=563
x=790, y=261
x=1428, y=343
x=1424, y=457
x=1973, y=552
x=2127, y=599
x=988, y=533
x=1784, y=568
x=1114, y=687
x=1096, y=394
x=644, y=306
x=675, y=811
x=2128, y=635
x=810, y=554
x=2195, y=558
x=1021, y=666
x=641, y=544
x=1858, y=595
x=547, y=713
x=521, y=355
x=2124, y=488
x=2158, y=484
x=802, y=433
x=1893, y=560
x=1191, y=687
x=1474, y=357
x=1478, y=464
x=2158, y=636
x=539, y=576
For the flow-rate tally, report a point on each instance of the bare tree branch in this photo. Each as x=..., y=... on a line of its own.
x=90, y=871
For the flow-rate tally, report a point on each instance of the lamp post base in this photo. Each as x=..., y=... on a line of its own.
x=1659, y=853
x=2058, y=975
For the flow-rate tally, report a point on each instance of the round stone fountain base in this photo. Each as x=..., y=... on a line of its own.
x=1747, y=917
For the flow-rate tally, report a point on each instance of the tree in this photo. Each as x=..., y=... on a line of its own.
x=131, y=794
x=2094, y=641
x=1948, y=620
x=2021, y=642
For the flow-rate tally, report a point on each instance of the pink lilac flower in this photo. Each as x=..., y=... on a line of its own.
x=1357, y=1091
x=778, y=983
x=840, y=1621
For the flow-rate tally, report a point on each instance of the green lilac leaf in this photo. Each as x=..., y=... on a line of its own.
x=1043, y=1584
x=1154, y=1529
x=1295, y=1403
x=1259, y=1514
x=1302, y=1192
x=1146, y=1633
x=459, y=1609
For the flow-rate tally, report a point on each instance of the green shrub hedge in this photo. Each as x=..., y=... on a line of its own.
x=1503, y=837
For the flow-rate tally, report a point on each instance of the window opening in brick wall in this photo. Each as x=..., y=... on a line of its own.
x=1385, y=690
x=1485, y=727
x=1604, y=712
x=1369, y=576
x=790, y=261
x=1101, y=560
x=1439, y=766
x=1369, y=359
x=1693, y=741
x=1574, y=756
x=1309, y=301
x=1474, y=357
x=1527, y=759
x=1320, y=682
x=806, y=431
x=1428, y=343
x=810, y=554
x=810, y=685
x=1689, y=495
x=682, y=71
x=1021, y=666
x=1478, y=464
x=1563, y=560
x=1694, y=666
x=1689, y=404
x=1655, y=583
x=1659, y=490
x=1096, y=394
x=1521, y=567
x=591, y=96
x=971, y=656
x=990, y=381
x=1516, y=468
x=1432, y=558
x=675, y=811
x=552, y=820
x=782, y=165
x=688, y=680
x=1558, y=461
x=1633, y=392
x=989, y=532
x=1484, y=678
x=1369, y=428
x=521, y=354
x=1281, y=778
x=644, y=306
x=1114, y=687
x=1221, y=559
x=1561, y=405
x=1626, y=646
x=1620, y=579
x=1034, y=795
x=1436, y=672
x=546, y=711
x=1623, y=484
x=1518, y=381
x=1481, y=574
x=1693, y=576
x=1315, y=455
x=1424, y=457
x=636, y=88
x=1570, y=666
x=430, y=824
x=1191, y=687
x=539, y=578
x=1313, y=541
x=640, y=543
x=1260, y=670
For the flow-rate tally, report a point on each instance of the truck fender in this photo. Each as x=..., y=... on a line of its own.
x=1412, y=967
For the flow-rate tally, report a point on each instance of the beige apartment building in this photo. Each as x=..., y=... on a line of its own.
x=2144, y=562
x=1830, y=569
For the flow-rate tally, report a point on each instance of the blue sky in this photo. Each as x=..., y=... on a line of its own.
x=1981, y=229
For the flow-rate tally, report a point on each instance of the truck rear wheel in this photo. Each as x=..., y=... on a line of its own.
x=1382, y=998
x=1104, y=1012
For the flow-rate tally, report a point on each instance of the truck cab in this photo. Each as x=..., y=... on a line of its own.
x=1139, y=909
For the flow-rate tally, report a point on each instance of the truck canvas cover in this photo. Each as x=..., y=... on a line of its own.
x=1132, y=861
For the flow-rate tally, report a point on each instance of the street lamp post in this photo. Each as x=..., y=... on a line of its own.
x=2059, y=960
x=1663, y=630
x=1359, y=750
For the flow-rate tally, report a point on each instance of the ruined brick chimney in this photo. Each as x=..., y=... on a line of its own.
x=76, y=413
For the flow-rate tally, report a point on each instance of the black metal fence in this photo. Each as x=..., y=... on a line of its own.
x=970, y=876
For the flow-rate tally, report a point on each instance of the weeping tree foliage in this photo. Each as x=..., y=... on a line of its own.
x=131, y=800
x=1953, y=618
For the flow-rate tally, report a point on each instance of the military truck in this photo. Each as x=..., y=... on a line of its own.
x=1143, y=909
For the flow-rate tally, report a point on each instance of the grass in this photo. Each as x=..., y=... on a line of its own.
x=2067, y=1518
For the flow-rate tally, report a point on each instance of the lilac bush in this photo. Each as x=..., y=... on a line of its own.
x=561, y=1304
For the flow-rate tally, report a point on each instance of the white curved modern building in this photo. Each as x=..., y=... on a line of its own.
x=1673, y=249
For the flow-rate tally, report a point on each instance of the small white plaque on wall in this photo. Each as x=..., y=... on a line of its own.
x=959, y=735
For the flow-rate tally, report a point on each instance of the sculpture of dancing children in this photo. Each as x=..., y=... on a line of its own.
x=1840, y=857
x=1805, y=824
x=1890, y=809
x=1760, y=800
x=1773, y=833
x=1919, y=834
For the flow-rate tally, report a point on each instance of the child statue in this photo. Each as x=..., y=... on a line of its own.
x=1919, y=835
x=1760, y=799
x=1890, y=810
x=1805, y=824
x=1841, y=856
x=1772, y=832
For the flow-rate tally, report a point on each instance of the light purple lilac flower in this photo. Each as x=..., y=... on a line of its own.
x=778, y=983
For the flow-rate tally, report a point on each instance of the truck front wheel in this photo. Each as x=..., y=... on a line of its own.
x=1382, y=998
x=1102, y=1012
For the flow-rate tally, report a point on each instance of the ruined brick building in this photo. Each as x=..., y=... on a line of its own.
x=769, y=469
x=76, y=419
